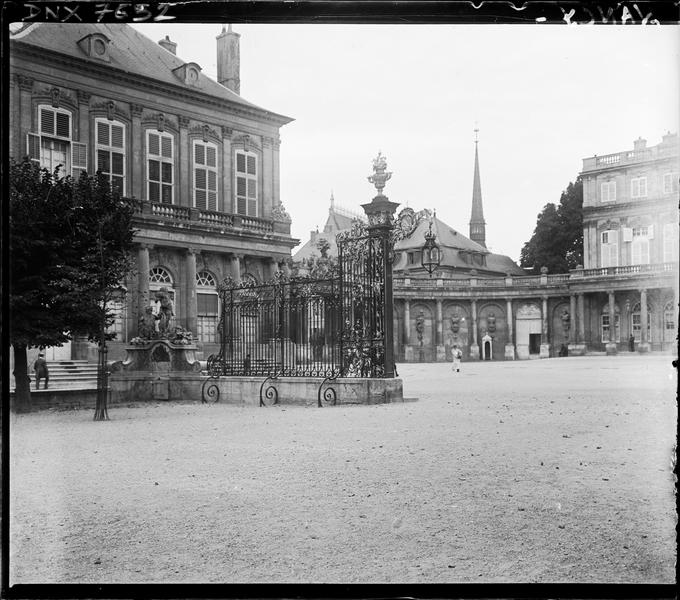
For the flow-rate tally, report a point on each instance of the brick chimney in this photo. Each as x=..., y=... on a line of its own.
x=168, y=45
x=229, y=60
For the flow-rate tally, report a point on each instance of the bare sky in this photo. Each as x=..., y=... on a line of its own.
x=543, y=96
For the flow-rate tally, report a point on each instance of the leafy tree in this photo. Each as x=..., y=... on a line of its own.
x=70, y=245
x=557, y=241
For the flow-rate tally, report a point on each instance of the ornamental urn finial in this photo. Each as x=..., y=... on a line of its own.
x=380, y=175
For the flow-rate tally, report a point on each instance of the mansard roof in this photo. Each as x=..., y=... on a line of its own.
x=130, y=52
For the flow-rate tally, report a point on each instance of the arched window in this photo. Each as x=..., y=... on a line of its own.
x=669, y=312
x=605, y=324
x=636, y=323
x=207, y=301
x=161, y=278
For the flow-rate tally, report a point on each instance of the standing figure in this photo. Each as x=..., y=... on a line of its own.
x=457, y=355
x=41, y=370
x=246, y=365
x=631, y=343
x=165, y=312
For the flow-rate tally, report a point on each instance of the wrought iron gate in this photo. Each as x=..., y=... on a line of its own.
x=310, y=326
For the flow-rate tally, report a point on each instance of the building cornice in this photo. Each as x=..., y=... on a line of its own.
x=107, y=72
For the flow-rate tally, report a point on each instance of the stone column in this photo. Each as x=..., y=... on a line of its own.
x=572, y=314
x=236, y=267
x=225, y=204
x=141, y=301
x=610, y=346
x=276, y=185
x=407, y=322
x=545, y=344
x=273, y=267
x=509, y=345
x=183, y=197
x=644, y=342
x=138, y=166
x=474, y=348
x=581, y=320
x=190, y=283
x=440, y=349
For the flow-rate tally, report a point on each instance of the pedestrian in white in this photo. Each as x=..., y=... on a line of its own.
x=457, y=355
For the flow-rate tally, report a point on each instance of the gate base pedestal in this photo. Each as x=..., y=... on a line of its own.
x=610, y=348
x=577, y=349
x=509, y=352
x=474, y=352
x=545, y=351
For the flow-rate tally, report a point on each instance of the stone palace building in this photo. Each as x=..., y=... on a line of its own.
x=488, y=306
x=203, y=160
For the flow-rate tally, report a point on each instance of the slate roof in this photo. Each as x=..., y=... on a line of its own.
x=130, y=51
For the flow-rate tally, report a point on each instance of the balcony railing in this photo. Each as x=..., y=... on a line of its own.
x=533, y=280
x=184, y=215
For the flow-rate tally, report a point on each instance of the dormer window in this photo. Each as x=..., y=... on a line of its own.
x=188, y=73
x=96, y=45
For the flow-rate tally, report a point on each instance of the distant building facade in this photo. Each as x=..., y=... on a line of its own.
x=203, y=160
x=486, y=305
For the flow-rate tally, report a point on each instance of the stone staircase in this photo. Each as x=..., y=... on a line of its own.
x=68, y=375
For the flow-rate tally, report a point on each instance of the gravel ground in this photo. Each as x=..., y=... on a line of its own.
x=556, y=470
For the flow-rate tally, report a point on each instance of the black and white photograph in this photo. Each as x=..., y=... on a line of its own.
x=338, y=301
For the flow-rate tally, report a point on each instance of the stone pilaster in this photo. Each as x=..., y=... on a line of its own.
x=440, y=349
x=611, y=344
x=84, y=126
x=545, y=345
x=474, y=348
x=184, y=195
x=267, y=177
x=137, y=139
x=190, y=288
x=644, y=341
x=236, y=261
x=509, y=345
x=225, y=204
x=26, y=110
x=407, y=322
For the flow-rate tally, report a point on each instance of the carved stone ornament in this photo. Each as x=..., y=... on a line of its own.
x=160, y=118
x=183, y=121
x=25, y=82
x=226, y=132
x=380, y=175
x=84, y=97
x=110, y=110
x=280, y=213
x=491, y=323
x=136, y=110
x=55, y=93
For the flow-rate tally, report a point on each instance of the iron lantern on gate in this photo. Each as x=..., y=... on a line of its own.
x=430, y=255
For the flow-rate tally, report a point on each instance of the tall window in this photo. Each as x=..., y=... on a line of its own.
x=608, y=191
x=670, y=242
x=53, y=144
x=206, y=295
x=640, y=246
x=205, y=175
x=670, y=183
x=605, y=327
x=160, y=165
x=638, y=187
x=609, y=248
x=246, y=183
x=669, y=332
x=636, y=323
x=110, y=149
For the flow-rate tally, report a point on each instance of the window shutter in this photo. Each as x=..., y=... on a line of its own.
x=211, y=156
x=116, y=163
x=33, y=147
x=627, y=234
x=199, y=154
x=650, y=232
x=78, y=158
x=154, y=144
x=63, y=125
x=47, y=121
x=251, y=165
x=116, y=136
x=102, y=133
x=166, y=147
x=241, y=163
x=200, y=199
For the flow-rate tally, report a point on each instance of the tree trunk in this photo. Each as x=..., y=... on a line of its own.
x=22, y=395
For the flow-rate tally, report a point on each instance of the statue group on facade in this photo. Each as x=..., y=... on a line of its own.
x=157, y=325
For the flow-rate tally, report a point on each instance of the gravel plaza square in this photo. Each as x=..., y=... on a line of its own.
x=549, y=471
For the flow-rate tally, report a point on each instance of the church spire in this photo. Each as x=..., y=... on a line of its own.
x=477, y=223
